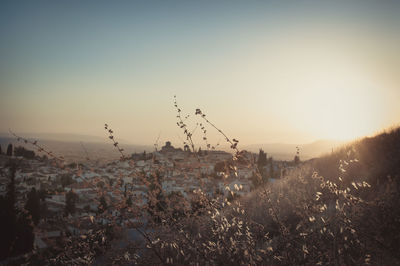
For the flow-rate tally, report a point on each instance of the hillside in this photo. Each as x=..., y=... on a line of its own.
x=378, y=159
x=285, y=151
x=339, y=209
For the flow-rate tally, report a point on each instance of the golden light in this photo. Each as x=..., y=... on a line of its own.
x=331, y=93
x=339, y=103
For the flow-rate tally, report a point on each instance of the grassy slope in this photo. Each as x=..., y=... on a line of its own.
x=375, y=219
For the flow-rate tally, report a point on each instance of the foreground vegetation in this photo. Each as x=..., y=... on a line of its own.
x=340, y=209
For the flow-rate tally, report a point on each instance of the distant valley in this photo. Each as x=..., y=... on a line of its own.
x=74, y=147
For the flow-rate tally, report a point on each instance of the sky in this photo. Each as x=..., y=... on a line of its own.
x=262, y=71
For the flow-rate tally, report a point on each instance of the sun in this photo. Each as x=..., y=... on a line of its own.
x=344, y=109
x=339, y=102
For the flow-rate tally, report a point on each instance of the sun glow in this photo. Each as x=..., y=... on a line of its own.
x=330, y=93
x=261, y=75
x=342, y=105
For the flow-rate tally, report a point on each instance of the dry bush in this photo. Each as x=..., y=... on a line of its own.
x=323, y=213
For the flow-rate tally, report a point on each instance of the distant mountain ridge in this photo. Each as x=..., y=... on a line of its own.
x=64, y=137
x=74, y=147
x=70, y=142
x=286, y=151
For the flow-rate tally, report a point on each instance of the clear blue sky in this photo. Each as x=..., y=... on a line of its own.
x=278, y=71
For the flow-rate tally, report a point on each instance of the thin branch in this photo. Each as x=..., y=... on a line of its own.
x=115, y=143
x=182, y=125
x=38, y=147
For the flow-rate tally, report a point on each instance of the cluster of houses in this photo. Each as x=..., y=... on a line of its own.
x=176, y=170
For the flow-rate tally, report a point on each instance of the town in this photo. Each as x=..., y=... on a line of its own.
x=66, y=198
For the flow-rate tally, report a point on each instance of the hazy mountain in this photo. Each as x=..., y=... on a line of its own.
x=60, y=137
x=69, y=145
x=76, y=147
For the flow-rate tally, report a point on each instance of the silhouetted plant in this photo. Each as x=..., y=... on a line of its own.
x=59, y=159
x=86, y=152
x=305, y=218
x=115, y=143
x=181, y=124
x=232, y=142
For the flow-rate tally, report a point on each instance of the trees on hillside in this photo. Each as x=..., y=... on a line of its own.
x=129, y=201
x=103, y=205
x=21, y=151
x=24, y=237
x=261, y=163
x=272, y=172
x=8, y=217
x=156, y=200
x=33, y=205
x=70, y=201
x=9, y=149
x=297, y=156
x=66, y=179
x=16, y=229
x=262, y=159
